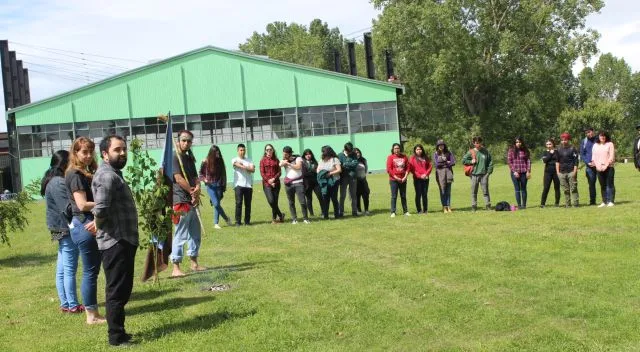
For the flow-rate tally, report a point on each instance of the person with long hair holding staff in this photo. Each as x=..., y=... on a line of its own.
x=56, y=195
x=519, y=160
x=214, y=175
x=444, y=160
x=270, y=171
x=550, y=173
x=398, y=170
x=78, y=177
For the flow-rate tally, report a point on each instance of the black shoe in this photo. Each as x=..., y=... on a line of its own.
x=474, y=208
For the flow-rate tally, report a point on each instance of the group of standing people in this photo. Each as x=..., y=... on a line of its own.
x=90, y=212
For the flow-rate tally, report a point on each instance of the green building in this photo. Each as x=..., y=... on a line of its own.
x=225, y=98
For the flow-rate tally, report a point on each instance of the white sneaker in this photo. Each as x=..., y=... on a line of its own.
x=294, y=222
x=367, y=213
x=601, y=205
x=393, y=215
x=407, y=214
x=216, y=226
x=307, y=221
x=610, y=204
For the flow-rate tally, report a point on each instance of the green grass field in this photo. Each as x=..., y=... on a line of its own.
x=538, y=279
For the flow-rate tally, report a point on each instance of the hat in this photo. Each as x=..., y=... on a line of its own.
x=440, y=142
x=565, y=136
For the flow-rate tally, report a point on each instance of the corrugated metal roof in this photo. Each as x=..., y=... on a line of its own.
x=196, y=51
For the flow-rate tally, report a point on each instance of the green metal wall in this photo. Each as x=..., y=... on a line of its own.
x=375, y=147
x=205, y=81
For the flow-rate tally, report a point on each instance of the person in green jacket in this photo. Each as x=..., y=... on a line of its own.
x=482, y=163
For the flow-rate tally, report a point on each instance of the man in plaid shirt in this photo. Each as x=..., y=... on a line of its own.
x=117, y=233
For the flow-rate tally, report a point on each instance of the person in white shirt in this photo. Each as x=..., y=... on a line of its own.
x=243, y=170
x=294, y=183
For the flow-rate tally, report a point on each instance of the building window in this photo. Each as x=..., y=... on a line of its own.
x=373, y=117
x=44, y=140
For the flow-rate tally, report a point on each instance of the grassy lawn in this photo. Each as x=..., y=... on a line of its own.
x=538, y=279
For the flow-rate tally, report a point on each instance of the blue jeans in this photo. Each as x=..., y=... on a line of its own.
x=187, y=231
x=520, y=186
x=91, y=259
x=607, y=187
x=445, y=194
x=66, y=272
x=216, y=194
x=592, y=176
x=395, y=187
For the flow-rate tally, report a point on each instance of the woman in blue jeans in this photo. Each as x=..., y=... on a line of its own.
x=82, y=166
x=214, y=176
x=55, y=193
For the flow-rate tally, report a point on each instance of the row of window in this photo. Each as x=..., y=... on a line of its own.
x=217, y=128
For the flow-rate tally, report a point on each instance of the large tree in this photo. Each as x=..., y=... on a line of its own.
x=495, y=67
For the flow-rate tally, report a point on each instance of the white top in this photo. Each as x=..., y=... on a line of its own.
x=294, y=174
x=242, y=177
x=329, y=165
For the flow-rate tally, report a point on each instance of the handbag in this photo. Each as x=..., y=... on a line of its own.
x=468, y=169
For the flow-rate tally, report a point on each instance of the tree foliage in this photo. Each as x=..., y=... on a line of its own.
x=497, y=68
x=13, y=215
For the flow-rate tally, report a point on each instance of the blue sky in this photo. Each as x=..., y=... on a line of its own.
x=145, y=30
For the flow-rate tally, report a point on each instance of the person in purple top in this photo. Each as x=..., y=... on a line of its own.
x=519, y=161
x=444, y=161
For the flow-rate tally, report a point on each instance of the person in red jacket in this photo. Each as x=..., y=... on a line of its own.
x=398, y=170
x=420, y=166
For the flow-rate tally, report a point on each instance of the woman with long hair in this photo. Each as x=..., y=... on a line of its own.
x=270, y=171
x=603, y=158
x=444, y=160
x=82, y=166
x=214, y=175
x=398, y=170
x=519, y=160
x=550, y=173
x=56, y=196
x=420, y=167
x=310, y=179
x=329, y=170
x=362, y=186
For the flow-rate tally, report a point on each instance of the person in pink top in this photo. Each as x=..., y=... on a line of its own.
x=398, y=170
x=420, y=167
x=603, y=158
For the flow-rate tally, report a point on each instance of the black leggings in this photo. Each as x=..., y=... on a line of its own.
x=548, y=178
x=363, y=193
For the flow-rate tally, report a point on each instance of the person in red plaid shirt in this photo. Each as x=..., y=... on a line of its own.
x=519, y=161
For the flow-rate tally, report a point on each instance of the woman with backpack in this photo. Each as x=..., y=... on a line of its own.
x=398, y=170
x=420, y=167
x=214, y=175
x=445, y=160
x=55, y=193
x=518, y=158
x=362, y=186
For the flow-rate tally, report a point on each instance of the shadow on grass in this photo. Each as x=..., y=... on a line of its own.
x=198, y=323
x=33, y=259
x=152, y=293
x=241, y=266
x=169, y=304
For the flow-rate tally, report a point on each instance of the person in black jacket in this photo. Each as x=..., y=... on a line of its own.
x=550, y=174
x=567, y=169
x=636, y=149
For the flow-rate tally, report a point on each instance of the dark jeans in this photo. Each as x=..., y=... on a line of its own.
x=118, y=262
x=292, y=191
x=520, y=186
x=395, y=186
x=243, y=193
x=445, y=194
x=607, y=187
x=592, y=176
x=272, y=194
x=331, y=196
x=421, y=187
x=351, y=182
x=550, y=176
x=363, y=192
x=308, y=196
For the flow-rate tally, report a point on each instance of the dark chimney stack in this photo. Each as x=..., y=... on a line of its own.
x=368, y=50
x=351, y=51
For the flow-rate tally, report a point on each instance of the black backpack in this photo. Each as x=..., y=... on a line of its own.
x=503, y=206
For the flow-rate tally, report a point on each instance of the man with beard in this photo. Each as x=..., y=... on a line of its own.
x=116, y=221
